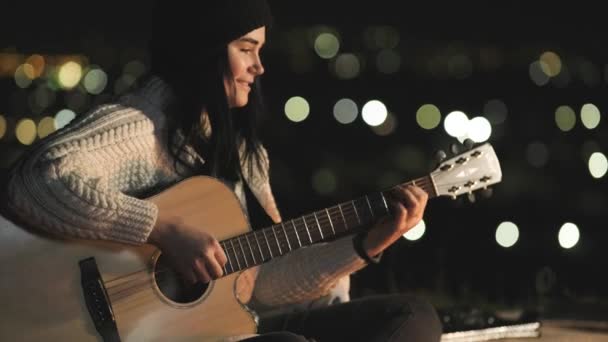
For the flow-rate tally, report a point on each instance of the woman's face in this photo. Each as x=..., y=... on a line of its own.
x=245, y=66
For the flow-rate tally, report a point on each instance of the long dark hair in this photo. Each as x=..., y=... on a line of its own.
x=197, y=84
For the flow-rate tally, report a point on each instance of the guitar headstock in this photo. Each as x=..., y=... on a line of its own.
x=466, y=172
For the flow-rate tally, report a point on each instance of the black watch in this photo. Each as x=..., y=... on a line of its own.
x=358, y=244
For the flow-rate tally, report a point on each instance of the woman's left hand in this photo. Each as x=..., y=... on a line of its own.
x=409, y=203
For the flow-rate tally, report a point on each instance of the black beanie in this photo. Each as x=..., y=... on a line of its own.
x=201, y=27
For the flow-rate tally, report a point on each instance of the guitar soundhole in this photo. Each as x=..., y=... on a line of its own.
x=173, y=286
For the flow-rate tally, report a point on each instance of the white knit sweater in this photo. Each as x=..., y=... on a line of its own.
x=84, y=181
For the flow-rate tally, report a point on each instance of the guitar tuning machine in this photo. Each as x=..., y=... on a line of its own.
x=462, y=160
x=476, y=154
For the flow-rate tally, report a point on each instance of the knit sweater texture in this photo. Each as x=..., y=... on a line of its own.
x=88, y=180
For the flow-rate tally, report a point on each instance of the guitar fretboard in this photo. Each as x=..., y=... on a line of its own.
x=259, y=246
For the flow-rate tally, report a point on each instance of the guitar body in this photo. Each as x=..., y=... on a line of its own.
x=41, y=291
x=42, y=296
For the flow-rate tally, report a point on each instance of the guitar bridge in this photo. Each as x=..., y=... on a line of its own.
x=97, y=301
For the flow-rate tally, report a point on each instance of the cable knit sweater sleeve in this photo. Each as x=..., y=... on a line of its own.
x=75, y=183
x=306, y=274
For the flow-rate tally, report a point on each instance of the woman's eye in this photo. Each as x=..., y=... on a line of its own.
x=246, y=50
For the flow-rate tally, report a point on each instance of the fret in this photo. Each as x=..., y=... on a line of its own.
x=296, y=230
x=227, y=257
x=250, y=249
x=255, y=236
x=225, y=270
x=318, y=225
x=307, y=230
x=286, y=236
x=277, y=238
x=356, y=212
x=371, y=211
x=343, y=218
x=267, y=243
x=243, y=250
x=235, y=255
x=379, y=206
x=384, y=201
x=330, y=223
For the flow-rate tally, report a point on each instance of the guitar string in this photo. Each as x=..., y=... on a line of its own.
x=282, y=238
x=148, y=278
x=128, y=287
x=271, y=241
x=237, y=253
x=299, y=229
x=227, y=248
x=331, y=215
x=126, y=284
x=136, y=273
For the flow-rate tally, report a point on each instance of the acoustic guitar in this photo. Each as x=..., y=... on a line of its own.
x=56, y=289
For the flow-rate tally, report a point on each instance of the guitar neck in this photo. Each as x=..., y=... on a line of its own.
x=260, y=246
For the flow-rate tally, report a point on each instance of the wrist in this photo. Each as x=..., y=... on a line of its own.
x=359, y=245
x=158, y=232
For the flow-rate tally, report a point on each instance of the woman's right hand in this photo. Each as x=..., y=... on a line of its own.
x=195, y=254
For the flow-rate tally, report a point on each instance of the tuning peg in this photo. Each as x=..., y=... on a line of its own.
x=486, y=193
x=471, y=197
x=440, y=156
x=468, y=143
x=455, y=148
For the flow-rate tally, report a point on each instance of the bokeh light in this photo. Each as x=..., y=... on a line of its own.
x=3, y=125
x=25, y=131
x=95, y=81
x=46, y=126
x=456, y=124
x=347, y=66
x=598, y=165
x=345, y=111
x=590, y=115
x=24, y=75
x=507, y=234
x=479, y=129
x=374, y=113
x=537, y=75
x=565, y=118
x=38, y=63
x=69, y=74
x=416, y=232
x=327, y=45
x=387, y=127
x=550, y=63
x=428, y=116
x=568, y=235
x=297, y=109
x=64, y=117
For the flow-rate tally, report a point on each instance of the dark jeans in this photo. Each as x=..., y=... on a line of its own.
x=369, y=319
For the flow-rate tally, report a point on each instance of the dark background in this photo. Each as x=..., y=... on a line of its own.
x=458, y=259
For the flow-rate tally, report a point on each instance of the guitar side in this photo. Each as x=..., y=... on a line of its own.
x=42, y=296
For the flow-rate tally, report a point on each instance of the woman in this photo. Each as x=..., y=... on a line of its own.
x=194, y=115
